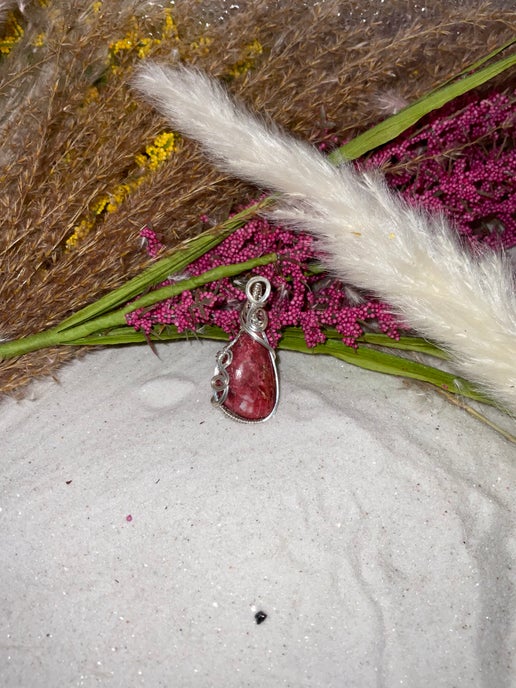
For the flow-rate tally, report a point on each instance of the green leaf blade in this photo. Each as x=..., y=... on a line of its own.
x=392, y=127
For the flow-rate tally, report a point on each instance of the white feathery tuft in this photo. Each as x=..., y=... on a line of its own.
x=412, y=260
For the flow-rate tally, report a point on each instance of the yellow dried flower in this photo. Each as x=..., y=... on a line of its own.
x=118, y=195
x=91, y=96
x=99, y=205
x=144, y=46
x=139, y=44
x=39, y=40
x=250, y=53
x=254, y=49
x=14, y=33
x=156, y=153
x=202, y=45
x=83, y=229
x=126, y=43
x=140, y=160
x=170, y=27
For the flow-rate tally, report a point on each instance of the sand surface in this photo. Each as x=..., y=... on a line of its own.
x=141, y=530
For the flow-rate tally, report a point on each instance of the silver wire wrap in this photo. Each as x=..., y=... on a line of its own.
x=253, y=321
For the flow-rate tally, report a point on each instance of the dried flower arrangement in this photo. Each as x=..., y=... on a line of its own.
x=106, y=165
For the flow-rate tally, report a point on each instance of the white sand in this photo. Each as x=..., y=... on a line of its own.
x=372, y=523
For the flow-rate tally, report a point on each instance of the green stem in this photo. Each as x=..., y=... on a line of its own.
x=182, y=256
x=393, y=365
x=293, y=340
x=392, y=127
x=383, y=362
x=407, y=343
x=59, y=335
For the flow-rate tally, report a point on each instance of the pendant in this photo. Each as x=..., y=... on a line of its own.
x=245, y=384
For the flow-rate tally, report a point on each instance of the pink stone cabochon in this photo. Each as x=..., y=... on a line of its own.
x=252, y=380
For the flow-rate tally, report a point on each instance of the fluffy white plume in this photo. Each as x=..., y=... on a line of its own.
x=410, y=259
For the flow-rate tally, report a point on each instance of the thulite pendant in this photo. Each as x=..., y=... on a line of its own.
x=252, y=382
x=245, y=385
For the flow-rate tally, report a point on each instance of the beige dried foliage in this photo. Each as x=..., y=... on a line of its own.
x=70, y=125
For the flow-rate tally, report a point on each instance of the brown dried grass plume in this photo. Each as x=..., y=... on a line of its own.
x=84, y=164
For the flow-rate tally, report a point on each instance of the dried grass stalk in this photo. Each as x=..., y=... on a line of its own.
x=71, y=128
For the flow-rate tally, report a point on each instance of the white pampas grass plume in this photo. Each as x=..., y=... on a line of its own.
x=374, y=239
